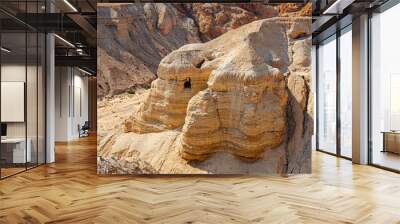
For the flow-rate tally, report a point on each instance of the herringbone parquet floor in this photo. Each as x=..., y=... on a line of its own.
x=69, y=191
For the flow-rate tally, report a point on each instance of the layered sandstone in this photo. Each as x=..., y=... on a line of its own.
x=244, y=93
x=133, y=38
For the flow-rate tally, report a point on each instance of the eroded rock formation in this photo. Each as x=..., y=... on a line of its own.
x=245, y=92
x=133, y=38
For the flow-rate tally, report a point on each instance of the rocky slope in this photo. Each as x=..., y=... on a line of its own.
x=244, y=95
x=133, y=38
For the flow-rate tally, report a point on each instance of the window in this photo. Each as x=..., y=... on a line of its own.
x=327, y=95
x=385, y=89
x=346, y=92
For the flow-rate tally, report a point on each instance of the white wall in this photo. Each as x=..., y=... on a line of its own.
x=70, y=83
x=33, y=126
x=62, y=81
x=80, y=110
x=16, y=73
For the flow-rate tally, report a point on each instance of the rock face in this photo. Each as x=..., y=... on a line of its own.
x=244, y=93
x=292, y=9
x=215, y=19
x=133, y=38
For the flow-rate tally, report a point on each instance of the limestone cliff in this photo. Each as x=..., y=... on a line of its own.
x=133, y=38
x=244, y=94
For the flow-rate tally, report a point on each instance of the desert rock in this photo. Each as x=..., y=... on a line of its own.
x=133, y=38
x=243, y=93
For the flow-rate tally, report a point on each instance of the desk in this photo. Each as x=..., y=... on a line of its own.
x=15, y=148
x=391, y=141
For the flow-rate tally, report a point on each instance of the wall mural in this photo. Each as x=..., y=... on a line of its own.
x=204, y=88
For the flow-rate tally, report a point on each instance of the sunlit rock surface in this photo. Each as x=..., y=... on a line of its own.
x=240, y=103
x=133, y=38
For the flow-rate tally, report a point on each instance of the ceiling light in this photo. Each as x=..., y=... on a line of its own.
x=5, y=50
x=338, y=6
x=84, y=71
x=70, y=5
x=65, y=41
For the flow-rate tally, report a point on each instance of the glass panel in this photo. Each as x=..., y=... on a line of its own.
x=346, y=93
x=13, y=89
x=385, y=84
x=32, y=88
x=41, y=99
x=22, y=88
x=327, y=96
x=31, y=99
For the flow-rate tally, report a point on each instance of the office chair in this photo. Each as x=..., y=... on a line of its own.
x=84, y=130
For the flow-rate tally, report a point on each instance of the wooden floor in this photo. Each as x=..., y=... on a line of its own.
x=5, y=172
x=69, y=191
x=387, y=159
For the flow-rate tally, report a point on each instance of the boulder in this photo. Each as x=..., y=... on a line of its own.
x=243, y=93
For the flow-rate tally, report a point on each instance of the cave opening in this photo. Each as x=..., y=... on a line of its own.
x=187, y=84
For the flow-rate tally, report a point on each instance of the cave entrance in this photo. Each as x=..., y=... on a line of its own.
x=187, y=84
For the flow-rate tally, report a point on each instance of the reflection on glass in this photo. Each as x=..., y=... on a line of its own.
x=346, y=93
x=385, y=84
x=22, y=90
x=14, y=153
x=394, y=102
x=327, y=96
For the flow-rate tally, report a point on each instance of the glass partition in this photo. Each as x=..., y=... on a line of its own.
x=13, y=94
x=22, y=77
x=327, y=95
